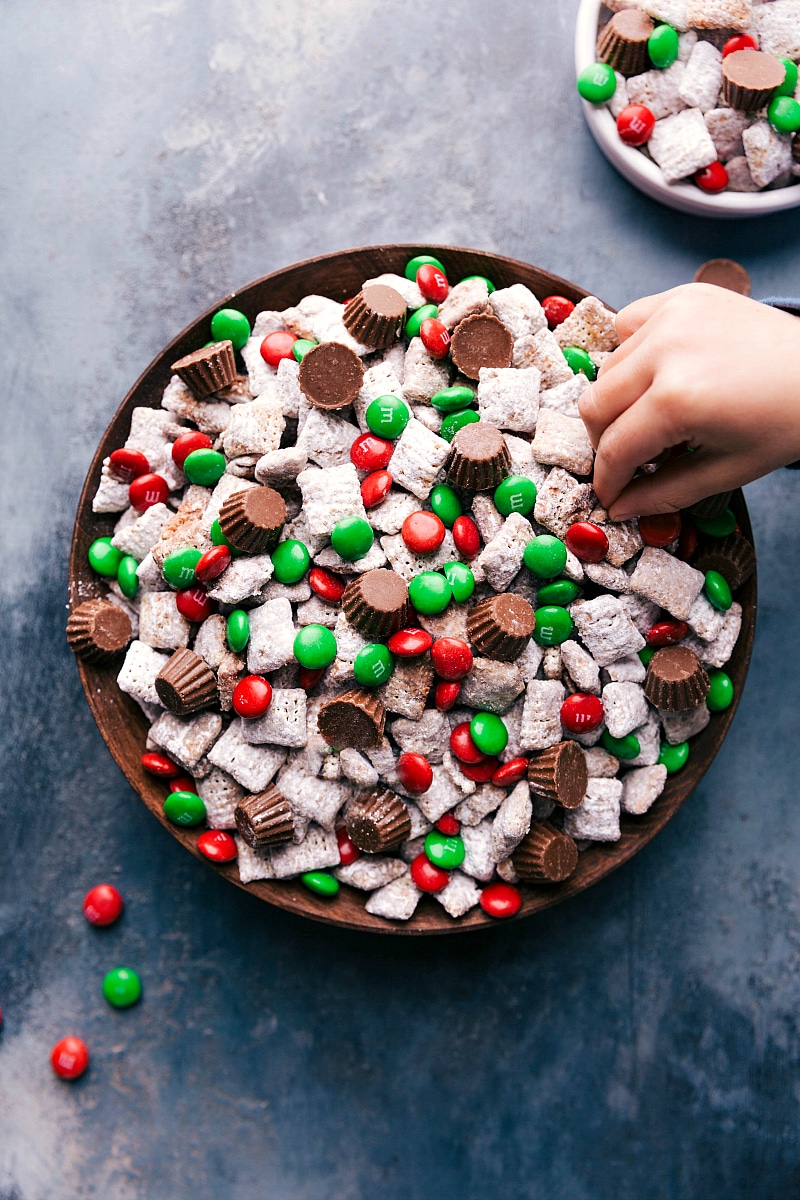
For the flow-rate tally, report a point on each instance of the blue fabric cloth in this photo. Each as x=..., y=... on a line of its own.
x=788, y=305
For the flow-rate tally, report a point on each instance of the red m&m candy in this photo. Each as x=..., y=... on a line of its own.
x=159, y=764
x=195, y=604
x=69, y=1058
x=409, y=643
x=147, y=490
x=415, y=773
x=310, y=677
x=688, y=541
x=432, y=283
x=587, y=541
x=666, y=633
x=448, y=825
x=102, y=904
x=582, y=712
x=128, y=464
x=427, y=876
x=445, y=695
x=277, y=346
x=217, y=846
x=375, y=488
x=462, y=745
x=466, y=537
x=326, y=585
x=480, y=772
x=423, y=532
x=500, y=900
x=370, y=452
x=557, y=309
x=252, y=696
x=635, y=124
x=452, y=658
x=187, y=443
x=435, y=337
x=510, y=773
x=741, y=41
x=348, y=851
x=183, y=783
x=660, y=529
x=712, y=179
x=212, y=564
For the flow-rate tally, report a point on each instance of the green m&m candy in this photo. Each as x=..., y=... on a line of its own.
x=663, y=46
x=673, y=757
x=414, y=322
x=446, y=504
x=104, y=558
x=579, y=362
x=719, y=526
x=301, y=348
x=205, y=467
x=784, y=114
x=443, y=851
x=789, y=84
x=237, y=630
x=453, y=399
x=373, y=665
x=489, y=285
x=553, y=625
x=645, y=654
x=230, y=325
x=387, y=416
x=352, y=538
x=321, y=882
x=290, y=561
x=718, y=591
x=421, y=260
x=625, y=747
x=122, y=987
x=178, y=568
x=597, y=83
x=516, y=494
x=184, y=808
x=430, y=593
x=461, y=580
x=545, y=556
x=455, y=421
x=219, y=539
x=127, y=578
x=720, y=695
x=488, y=733
x=561, y=592
x=314, y=647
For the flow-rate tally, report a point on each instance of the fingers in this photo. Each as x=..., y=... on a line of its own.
x=633, y=316
x=619, y=385
x=637, y=436
x=677, y=485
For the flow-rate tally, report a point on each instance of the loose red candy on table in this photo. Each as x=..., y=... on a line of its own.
x=452, y=659
x=370, y=452
x=103, y=904
x=445, y=695
x=326, y=585
x=742, y=41
x=195, y=604
x=252, y=696
x=557, y=309
x=423, y=532
x=660, y=529
x=432, y=283
x=159, y=764
x=448, y=825
x=635, y=124
x=310, y=677
x=511, y=772
x=462, y=745
x=410, y=643
x=466, y=537
x=712, y=179
x=375, y=488
x=147, y=490
x=500, y=900
x=69, y=1058
x=415, y=773
x=666, y=633
x=217, y=846
x=582, y=712
x=587, y=541
x=277, y=346
x=183, y=783
x=426, y=876
x=480, y=772
x=128, y=464
x=348, y=851
x=187, y=443
x=212, y=564
x=435, y=337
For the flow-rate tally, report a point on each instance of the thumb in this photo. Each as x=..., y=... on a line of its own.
x=676, y=485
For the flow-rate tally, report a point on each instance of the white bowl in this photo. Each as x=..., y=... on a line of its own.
x=641, y=171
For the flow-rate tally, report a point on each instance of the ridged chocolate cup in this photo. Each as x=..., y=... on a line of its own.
x=676, y=680
x=560, y=774
x=623, y=42
x=207, y=370
x=376, y=603
x=355, y=719
x=750, y=79
x=378, y=822
x=725, y=273
x=501, y=626
x=711, y=506
x=186, y=683
x=330, y=376
x=546, y=855
x=252, y=520
x=98, y=630
x=375, y=316
x=479, y=458
x=265, y=819
x=481, y=340
x=733, y=556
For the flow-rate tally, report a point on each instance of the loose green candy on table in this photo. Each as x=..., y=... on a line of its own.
x=204, y=467
x=489, y=285
x=446, y=504
x=373, y=665
x=455, y=421
x=290, y=561
x=301, y=348
x=718, y=591
x=597, y=83
x=421, y=260
x=561, y=592
x=414, y=322
x=789, y=84
x=663, y=46
x=443, y=851
x=104, y=558
x=553, y=625
x=184, y=808
x=719, y=526
x=579, y=361
x=721, y=692
x=461, y=580
x=237, y=630
x=352, y=538
x=321, y=882
x=178, y=568
x=429, y=593
x=545, y=556
x=122, y=987
x=626, y=747
x=314, y=647
x=127, y=578
x=673, y=757
x=230, y=325
x=453, y=399
x=488, y=733
x=784, y=114
x=516, y=494
x=387, y=416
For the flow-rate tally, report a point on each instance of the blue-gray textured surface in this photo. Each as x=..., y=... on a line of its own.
x=640, y=1041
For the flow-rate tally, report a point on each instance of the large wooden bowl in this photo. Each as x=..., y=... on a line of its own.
x=120, y=720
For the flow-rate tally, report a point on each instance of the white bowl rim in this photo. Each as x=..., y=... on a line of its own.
x=641, y=171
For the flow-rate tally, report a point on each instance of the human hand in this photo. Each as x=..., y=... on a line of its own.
x=697, y=366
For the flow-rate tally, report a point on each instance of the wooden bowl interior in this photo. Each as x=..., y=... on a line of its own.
x=122, y=723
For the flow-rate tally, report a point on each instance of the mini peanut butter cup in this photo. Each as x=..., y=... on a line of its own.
x=501, y=626
x=676, y=679
x=97, y=630
x=375, y=316
x=378, y=821
x=546, y=855
x=725, y=273
x=354, y=719
x=186, y=683
x=711, y=506
x=481, y=340
x=623, y=42
x=479, y=458
x=330, y=376
x=252, y=520
x=207, y=370
x=733, y=556
x=560, y=774
x=376, y=603
x=750, y=79
x=265, y=819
